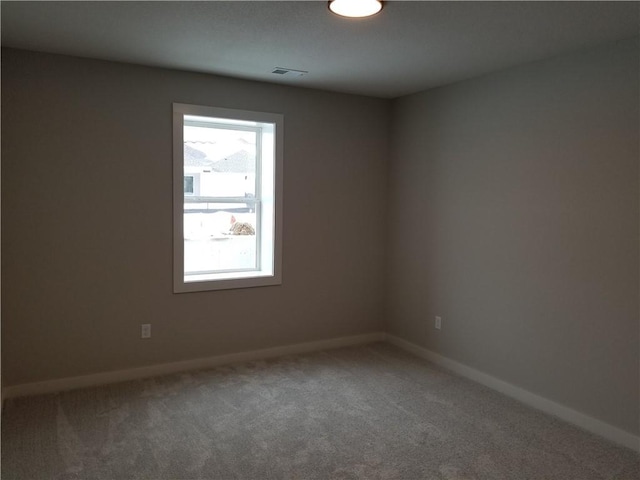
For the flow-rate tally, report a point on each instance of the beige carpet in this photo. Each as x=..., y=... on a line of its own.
x=371, y=412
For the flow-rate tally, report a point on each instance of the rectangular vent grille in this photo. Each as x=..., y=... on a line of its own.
x=288, y=72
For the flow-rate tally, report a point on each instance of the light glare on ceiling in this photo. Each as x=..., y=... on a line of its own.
x=355, y=8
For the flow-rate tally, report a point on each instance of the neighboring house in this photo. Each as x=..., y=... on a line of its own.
x=229, y=176
x=195, y=164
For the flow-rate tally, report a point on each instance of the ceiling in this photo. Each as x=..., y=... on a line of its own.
x=408, y=47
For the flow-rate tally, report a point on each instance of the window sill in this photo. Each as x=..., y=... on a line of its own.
x=227, y=281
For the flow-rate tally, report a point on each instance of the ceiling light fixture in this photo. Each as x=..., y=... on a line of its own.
x=355, y=8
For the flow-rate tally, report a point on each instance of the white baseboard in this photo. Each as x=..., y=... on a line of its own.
x=598, y=427
x=70, y=383
x=581, y=420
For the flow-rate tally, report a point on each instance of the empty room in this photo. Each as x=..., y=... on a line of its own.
x=320, y=240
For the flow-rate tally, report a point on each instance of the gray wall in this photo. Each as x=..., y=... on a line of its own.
x=87, y=219
x=514, y=215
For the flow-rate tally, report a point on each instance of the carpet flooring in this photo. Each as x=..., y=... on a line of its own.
x=367, y=412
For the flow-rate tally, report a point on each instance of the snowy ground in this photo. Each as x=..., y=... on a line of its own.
x=210, y=246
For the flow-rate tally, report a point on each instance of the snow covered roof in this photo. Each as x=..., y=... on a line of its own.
x=240, y=161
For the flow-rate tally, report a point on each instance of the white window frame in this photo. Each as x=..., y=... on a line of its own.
x=269, y=254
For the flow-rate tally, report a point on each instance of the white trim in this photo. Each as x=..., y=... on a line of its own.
x=71, y=383
x=567, y=414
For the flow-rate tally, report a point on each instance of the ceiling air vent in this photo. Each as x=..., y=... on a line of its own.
x=288, y=72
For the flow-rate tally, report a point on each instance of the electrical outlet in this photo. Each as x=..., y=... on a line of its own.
x=438, y=323
x=146, y=330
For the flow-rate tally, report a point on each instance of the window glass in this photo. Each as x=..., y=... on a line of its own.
x=188, y=184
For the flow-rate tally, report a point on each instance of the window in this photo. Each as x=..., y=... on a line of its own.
x=227, y=198
x=188, y=184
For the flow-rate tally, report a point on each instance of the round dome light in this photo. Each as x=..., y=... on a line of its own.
x=355, y=8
